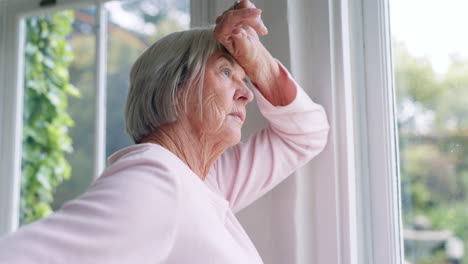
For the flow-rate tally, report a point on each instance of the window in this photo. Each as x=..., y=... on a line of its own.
x=409, y=65
x=430, y=58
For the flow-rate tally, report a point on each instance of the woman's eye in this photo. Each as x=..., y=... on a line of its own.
x=227, y=72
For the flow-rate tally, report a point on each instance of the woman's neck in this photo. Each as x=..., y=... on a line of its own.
x=199, y=152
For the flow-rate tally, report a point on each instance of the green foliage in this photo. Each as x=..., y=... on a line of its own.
x=434, y=163
x=452, y=114
x=414, y=78
x=46, y=121
x=438, y=257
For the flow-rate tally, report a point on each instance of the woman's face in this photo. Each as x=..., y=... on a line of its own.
x=225, y=95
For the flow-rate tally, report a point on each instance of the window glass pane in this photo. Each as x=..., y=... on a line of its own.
x=58, y=110
x=134, y=26
x=430, y=52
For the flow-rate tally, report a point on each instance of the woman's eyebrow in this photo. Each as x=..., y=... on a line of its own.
x=231, y=61
x=228, y=58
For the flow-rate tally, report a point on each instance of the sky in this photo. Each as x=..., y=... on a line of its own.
x=436, y=29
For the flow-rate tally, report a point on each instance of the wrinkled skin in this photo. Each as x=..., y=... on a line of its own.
x=225, y=95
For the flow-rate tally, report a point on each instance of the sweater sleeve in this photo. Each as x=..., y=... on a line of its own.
x=296, y=133
x=113, y=222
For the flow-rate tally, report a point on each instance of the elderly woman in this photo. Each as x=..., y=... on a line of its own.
x=171, y=197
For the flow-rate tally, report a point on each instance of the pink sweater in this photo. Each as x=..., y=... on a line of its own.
x=149, y=207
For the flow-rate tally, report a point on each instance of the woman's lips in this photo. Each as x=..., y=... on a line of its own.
x=238, y=115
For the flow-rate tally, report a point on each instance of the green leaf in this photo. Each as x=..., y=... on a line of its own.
x=72, y=90
x=43, y=177
x=49, y=62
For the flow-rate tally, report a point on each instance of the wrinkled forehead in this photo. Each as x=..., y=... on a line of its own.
x=224, y=55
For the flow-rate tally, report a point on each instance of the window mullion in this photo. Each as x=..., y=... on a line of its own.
x=100, y=92
x=12, y=105
x=376, y=133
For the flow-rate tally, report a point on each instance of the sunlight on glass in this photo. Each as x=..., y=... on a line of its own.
x=430, y=53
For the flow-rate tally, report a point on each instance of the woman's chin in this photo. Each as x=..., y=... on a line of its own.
x=230, y=134
x=234, y=137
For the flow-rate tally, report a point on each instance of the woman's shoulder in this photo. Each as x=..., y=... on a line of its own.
x=136, y=151
x=142, y=167
x=149, y=157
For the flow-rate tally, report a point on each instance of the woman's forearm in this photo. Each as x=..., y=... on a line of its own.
x=272, y=81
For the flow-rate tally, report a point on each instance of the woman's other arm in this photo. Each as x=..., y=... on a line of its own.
x=127, y=217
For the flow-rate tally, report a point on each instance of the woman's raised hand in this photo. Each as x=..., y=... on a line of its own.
x=238, y=29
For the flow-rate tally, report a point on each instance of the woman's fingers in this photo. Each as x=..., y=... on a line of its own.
x=233, y=18
x=245, y=4
x=236, y=6
x=232, y=14
x=238, y=30
x=241, y=42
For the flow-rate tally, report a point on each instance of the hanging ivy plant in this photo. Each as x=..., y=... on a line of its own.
x=45, y=117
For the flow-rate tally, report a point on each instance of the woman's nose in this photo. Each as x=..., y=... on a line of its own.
x=244, y=94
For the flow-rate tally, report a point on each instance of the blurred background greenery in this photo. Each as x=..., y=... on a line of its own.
x=433, y=143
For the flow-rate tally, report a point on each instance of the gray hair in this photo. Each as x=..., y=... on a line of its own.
x=171, y=67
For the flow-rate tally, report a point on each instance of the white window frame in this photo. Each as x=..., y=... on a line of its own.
x=380, y=224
